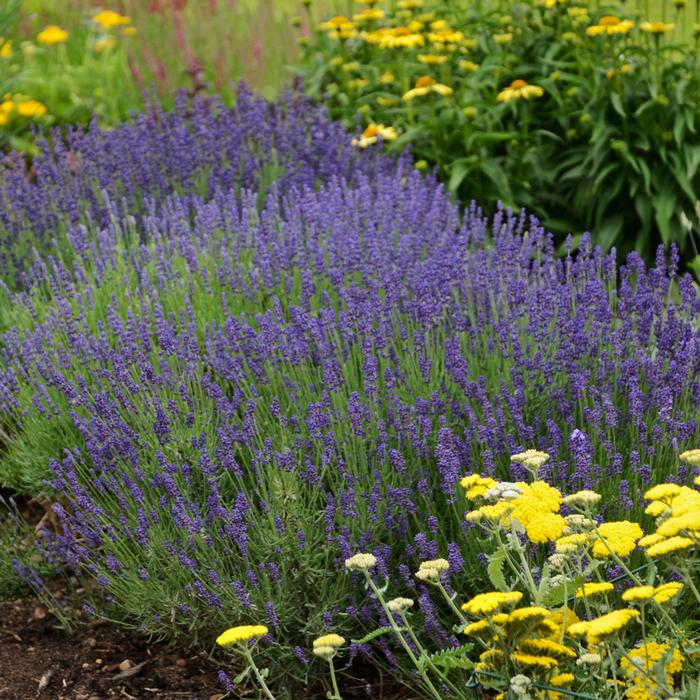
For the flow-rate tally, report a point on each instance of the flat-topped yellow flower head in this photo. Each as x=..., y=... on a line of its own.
x=242, y=633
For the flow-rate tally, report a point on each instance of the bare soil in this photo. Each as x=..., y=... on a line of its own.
x=95, y=662
x=100, y=661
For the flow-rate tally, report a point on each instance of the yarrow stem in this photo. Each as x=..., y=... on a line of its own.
x=397, y=631
x=249, y=658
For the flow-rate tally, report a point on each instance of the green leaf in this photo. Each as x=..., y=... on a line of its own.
x=558, y=595
x=458, y=171
x=495, y=571
x=617, y=103
x=373, y=635
x=241, y=676
x=450, y=659
x=486, y=137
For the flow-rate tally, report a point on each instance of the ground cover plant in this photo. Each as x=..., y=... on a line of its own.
x=583, y=113
x=236, y=364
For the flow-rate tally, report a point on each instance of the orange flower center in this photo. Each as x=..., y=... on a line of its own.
x=609, y=21
x=425, y=81
x=517, y=84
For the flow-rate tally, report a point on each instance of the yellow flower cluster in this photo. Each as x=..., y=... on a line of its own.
x=20, y=106
x=661, y=594
x=532, y=507
x=610, y=26
x=677, y=512
x=242, y=633
x=339, y=27
x=395, y=38
x=327, y=645
x=532, y=635
x=618, y=538
x=599, y=628
x=641, y=667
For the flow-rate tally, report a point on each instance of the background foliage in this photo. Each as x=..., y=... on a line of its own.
x=610, y=147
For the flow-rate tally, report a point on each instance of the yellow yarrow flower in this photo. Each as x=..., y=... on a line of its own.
x=488, y=603
x=5, y=49
x=544, y=527
x=688, y=523
x=601, y=627
x=475, y=485
x=666, y=591
x=639, y=662
x=592, y=588
x=692, y=456
x=329, y=640
x=638, y=594
x=670, y=546
x=655, y=508
x=619, y=537
x=51, y=35
x=547, y=647
x=242, y=633
x=545, y=662
x=519, y=89
x=386, y=77
x=662, y=492
x=656, y=28
x=562, y=679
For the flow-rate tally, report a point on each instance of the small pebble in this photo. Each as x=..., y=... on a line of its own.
x=125, y=665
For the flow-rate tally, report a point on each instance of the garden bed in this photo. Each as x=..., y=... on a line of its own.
x=38, y=659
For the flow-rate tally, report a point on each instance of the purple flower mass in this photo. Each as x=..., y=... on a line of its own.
x=258, y=352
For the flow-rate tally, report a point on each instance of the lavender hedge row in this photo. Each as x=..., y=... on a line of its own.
x=230, y=393
x=90, y=176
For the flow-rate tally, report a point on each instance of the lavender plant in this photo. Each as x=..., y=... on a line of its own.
x=92, y=176
x=231, y=394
